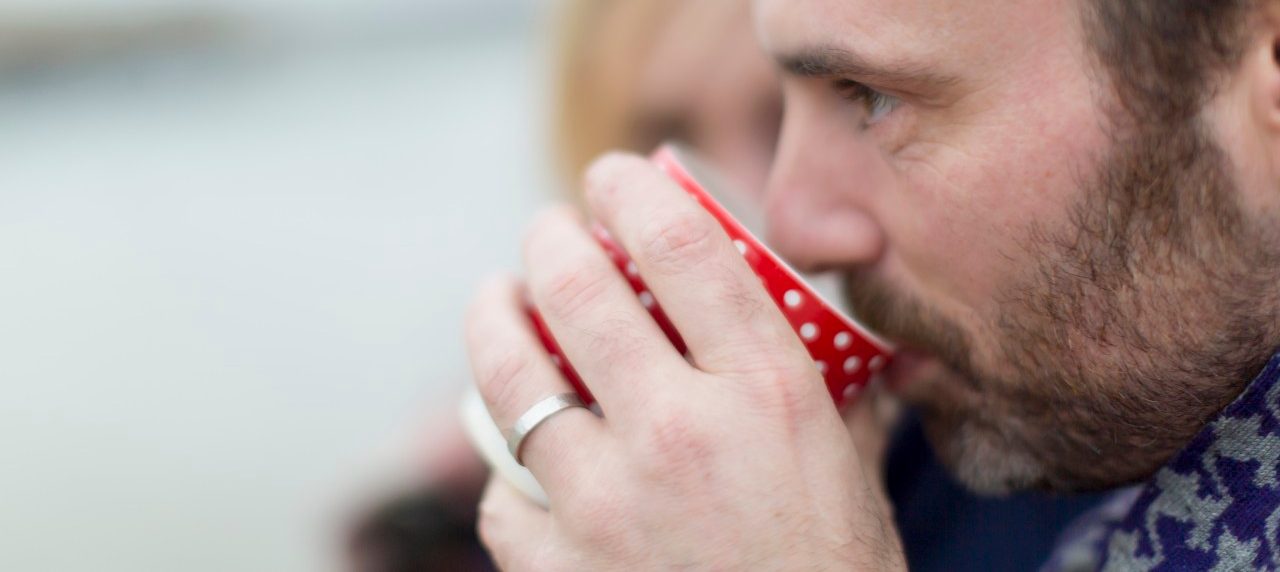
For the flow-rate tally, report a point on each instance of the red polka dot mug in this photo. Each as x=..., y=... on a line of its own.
x=844, y=352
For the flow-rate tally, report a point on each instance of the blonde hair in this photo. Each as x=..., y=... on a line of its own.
x=602, y=43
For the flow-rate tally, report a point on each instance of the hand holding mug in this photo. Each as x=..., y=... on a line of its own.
x=729, y=456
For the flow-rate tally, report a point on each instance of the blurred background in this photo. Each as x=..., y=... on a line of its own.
x=236, y=238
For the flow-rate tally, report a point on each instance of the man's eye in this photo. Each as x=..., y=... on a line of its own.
x=878, y=105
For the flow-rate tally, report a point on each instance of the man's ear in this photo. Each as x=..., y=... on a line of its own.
x=1262, y=64
x=1253, y=135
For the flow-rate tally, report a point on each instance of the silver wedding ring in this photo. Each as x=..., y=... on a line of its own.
x=534, y=416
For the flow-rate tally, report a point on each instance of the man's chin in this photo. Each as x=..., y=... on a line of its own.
x=947, y=406
x=981, y=461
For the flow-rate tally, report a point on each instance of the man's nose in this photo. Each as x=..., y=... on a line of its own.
x=818, y=213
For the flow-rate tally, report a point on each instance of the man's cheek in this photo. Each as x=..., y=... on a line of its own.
x=943, y=199
x=959, y=236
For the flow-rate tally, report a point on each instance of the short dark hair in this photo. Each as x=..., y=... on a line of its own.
x=1163, y=56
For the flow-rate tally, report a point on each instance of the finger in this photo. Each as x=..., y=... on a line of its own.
x=602, y=328
x=868, y=430
x=717, y=303
x=871, y=423
x=517, y=533
x=513, y=372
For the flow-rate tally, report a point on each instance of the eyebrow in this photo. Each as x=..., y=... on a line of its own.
x=830, y=61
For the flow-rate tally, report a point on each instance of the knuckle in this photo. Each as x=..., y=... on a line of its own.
x=674, y=446
x=570, y=291
x=500, y=374
x=678, y=241
x=495, y=533
x=617, y=340
x=785, y=396
x=743, y=301
x=753, y=357
x=487, y=526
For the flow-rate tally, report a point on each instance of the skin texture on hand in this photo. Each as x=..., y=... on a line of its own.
x=734, y=459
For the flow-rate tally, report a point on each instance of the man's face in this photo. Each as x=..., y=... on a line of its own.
x=1064, y=323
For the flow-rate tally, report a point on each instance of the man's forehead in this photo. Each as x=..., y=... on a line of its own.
x=787, y=25
x=905, y=30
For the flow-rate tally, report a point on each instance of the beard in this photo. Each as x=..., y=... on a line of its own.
x=1129, y=327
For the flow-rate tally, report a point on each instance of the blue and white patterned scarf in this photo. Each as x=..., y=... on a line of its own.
x=1215, y=506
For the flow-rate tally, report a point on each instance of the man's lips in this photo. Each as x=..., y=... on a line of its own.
x=919, y=378
x=907, y=367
